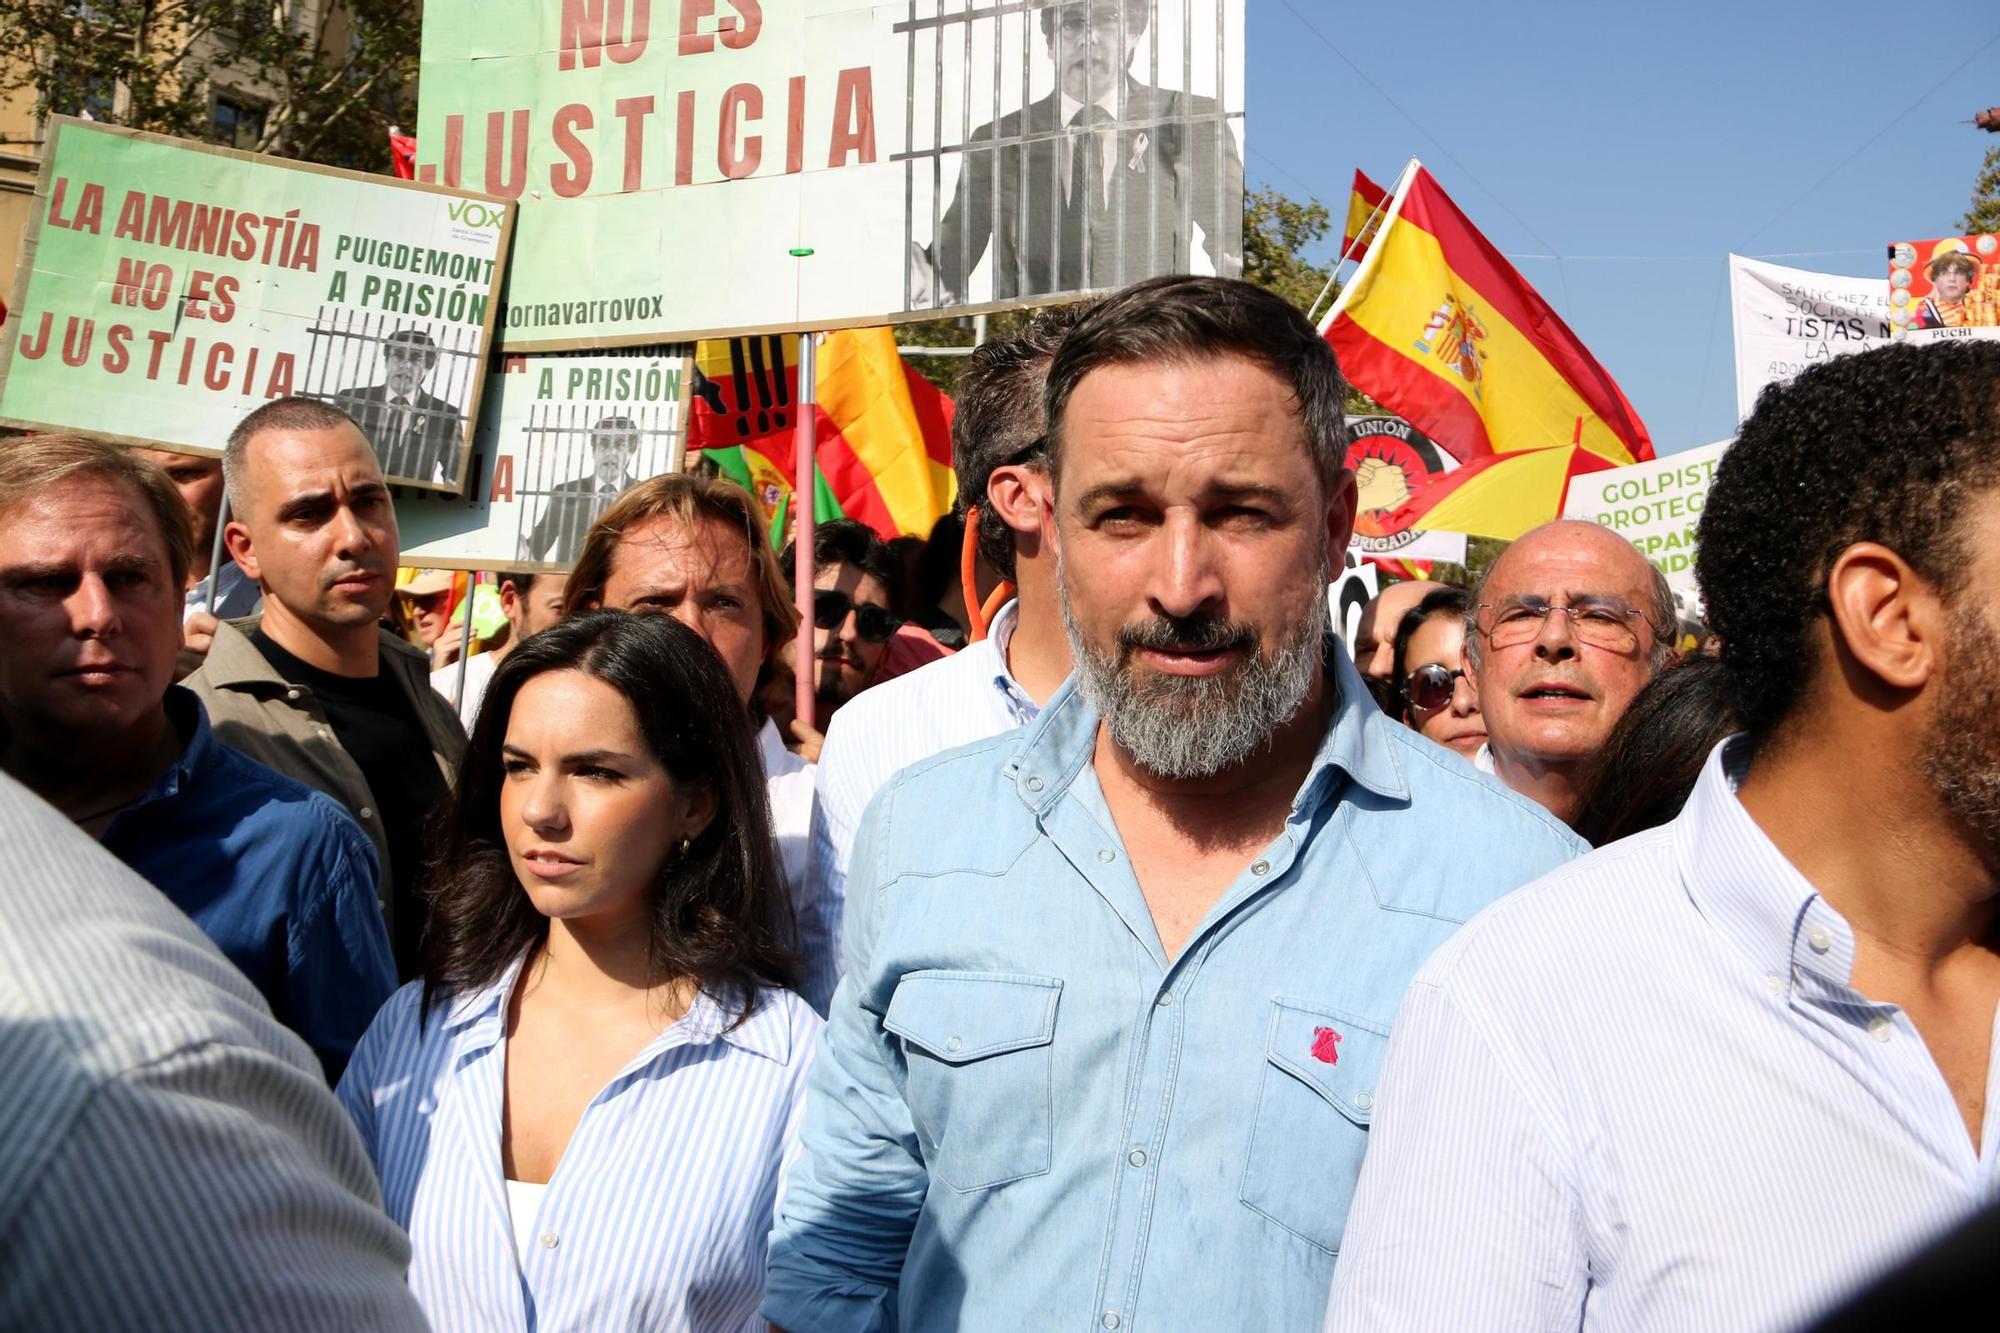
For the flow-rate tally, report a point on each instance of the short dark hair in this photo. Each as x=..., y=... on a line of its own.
x=1655, y=754
x=1883, y=446
x=846, y=541
x=1453, y=602
x=1190, y=319
x=294, y=413
x=522, y=579
x=1000, y=414
x=719, y=911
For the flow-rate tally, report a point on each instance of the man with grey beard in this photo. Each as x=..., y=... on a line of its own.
x=1118, y=986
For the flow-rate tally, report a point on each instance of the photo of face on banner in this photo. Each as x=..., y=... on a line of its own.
x=1092, y=144
x=405, y=389
x=1948, y=284
x=560, y=437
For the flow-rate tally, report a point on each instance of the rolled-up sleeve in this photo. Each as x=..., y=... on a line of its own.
x=852, y=1200
x=1466, y=1215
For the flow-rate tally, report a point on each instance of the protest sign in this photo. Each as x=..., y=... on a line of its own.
x=1943, y=289
x=559, y=438
x=722, y=166
x=1788, y=318
x=168, y=288
x=1656, y=506
x=1391, y=461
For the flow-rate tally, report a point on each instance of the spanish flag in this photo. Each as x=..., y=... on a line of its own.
x=1440, y=329
x=883, y=435
x=1365, y=209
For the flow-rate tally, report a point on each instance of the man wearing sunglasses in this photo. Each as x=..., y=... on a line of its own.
x=1567, y=627
x=852, y=622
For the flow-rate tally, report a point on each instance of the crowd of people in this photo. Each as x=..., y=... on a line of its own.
x=1134, y=957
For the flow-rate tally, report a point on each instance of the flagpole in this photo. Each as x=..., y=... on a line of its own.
x=1403, y=183
x=1346, y=250
x=804, y=501
x=215, y=554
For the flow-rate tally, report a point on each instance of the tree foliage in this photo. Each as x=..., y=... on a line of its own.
x=1984, y=215
x=320, y=82
x=1277, y=230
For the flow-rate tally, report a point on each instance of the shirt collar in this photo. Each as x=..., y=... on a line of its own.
x=481, y=1017
x=771, y=748
x=1357, y=744
x=1107, y=104
x=1743, y=885
x=199, y=752
x=999, y=634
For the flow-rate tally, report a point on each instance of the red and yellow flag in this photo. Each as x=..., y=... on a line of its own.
x=1366, y=208
x=883, y=434
x=1441, y=330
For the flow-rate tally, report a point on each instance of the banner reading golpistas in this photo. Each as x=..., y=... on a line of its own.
x=672, y=158
x=168, y=288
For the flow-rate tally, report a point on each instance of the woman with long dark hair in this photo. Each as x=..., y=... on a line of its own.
x=581, y=1112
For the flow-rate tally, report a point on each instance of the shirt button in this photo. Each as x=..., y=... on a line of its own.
x=1775, y=983
x=1880, y=1029
x=1260, y=867
x=953, y=1044
x=1033, y=784
x=1819, y=939
x=292, y=695
x=548, y=1240
x=1110, y=1319
x=326, y=733
x=1364, y=1100
x=1166, y=998
x=1106, y=855
x=1136, y=1157
x=366, y=812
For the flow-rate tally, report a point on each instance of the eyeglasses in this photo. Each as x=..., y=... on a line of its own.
x=1430, y=687
x=1601, y=622
x=873, y=623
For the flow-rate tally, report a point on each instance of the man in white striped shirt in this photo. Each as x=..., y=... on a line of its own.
x=1000, y=682
x=170, y=1158
x=1718, y=1074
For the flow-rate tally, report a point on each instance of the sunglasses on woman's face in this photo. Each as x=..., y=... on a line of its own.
x=873, y=623
x=1430, y=687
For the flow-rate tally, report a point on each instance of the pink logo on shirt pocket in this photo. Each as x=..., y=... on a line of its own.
x=1326, y=1046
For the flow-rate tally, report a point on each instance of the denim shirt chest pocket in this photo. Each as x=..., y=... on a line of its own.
x=1310, y=1131
x=980, y=1083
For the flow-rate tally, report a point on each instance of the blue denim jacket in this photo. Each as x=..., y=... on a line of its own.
x=276, y=874
x=1024, y=1116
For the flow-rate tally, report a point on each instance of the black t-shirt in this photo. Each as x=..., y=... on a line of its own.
x=378, y=726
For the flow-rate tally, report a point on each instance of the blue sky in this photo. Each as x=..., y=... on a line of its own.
x=1642, y=143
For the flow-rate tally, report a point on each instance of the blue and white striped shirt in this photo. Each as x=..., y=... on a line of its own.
x=1642, y=1094
x=658, y=1213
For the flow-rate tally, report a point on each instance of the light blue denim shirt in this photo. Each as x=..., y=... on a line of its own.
x=1024, y=1116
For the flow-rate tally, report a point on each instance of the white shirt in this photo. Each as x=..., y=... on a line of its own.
x=479, y=669
x=170, y=1157
x=788, y=782
x=1482, y=759
x=1642, y=1094
x=940, y=706
x=658, y=1213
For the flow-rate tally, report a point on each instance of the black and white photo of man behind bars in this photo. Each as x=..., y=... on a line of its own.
x=407, y=384
x=1102, y=181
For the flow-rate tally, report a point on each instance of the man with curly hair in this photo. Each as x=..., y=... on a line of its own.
x=1717, y=1074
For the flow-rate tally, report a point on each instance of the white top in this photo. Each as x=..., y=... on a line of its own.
x=940, y=706
x=524, y=1200
x=1482, y=758
x=1641, y=1094
x=658, y=1213
x=479, y=671
x=169, y=1155
x=788, y=783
